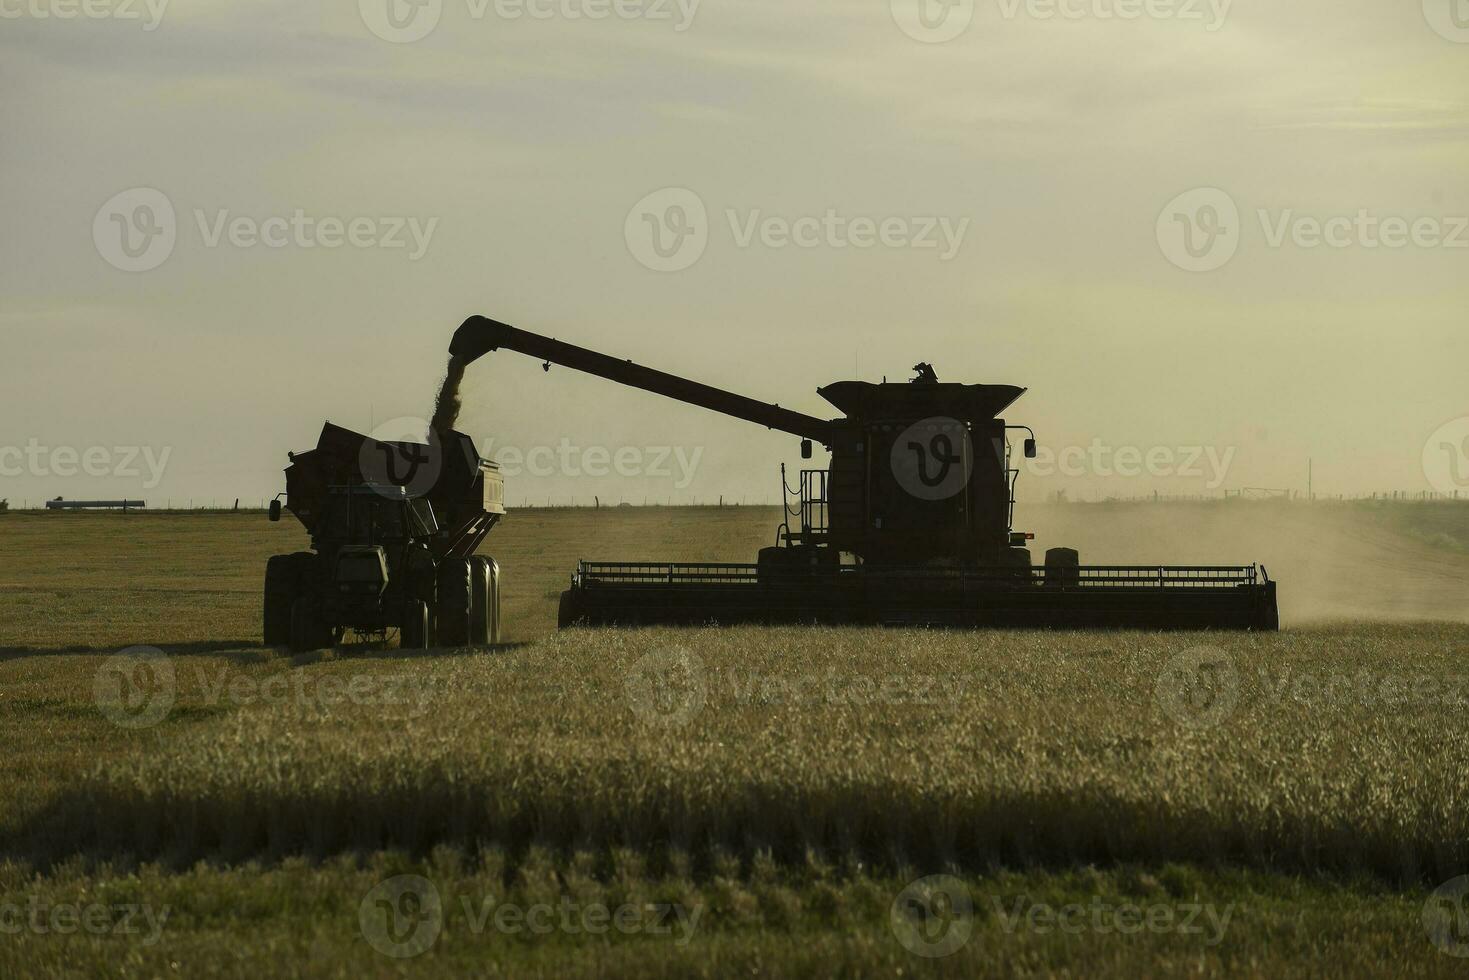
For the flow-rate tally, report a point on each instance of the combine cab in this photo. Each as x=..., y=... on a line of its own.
x=394, y=527
x=911, y=523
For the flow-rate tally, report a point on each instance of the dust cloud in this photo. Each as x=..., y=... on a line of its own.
x=1347, y=561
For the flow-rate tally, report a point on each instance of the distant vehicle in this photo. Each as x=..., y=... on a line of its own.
x=57, y=503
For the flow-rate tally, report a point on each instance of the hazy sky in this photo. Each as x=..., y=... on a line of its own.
x=1005, y=204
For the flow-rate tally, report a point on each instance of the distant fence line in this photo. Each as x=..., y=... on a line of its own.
x=551, y=503
x=1291, y=496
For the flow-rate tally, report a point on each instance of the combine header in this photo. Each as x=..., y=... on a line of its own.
x=912, y=523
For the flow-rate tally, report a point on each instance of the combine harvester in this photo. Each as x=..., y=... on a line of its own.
x=911, y=524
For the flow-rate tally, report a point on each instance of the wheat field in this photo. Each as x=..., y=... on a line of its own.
x=774, y=795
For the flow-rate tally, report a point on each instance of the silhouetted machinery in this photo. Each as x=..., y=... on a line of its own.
x=394, y=527
x=911, y=523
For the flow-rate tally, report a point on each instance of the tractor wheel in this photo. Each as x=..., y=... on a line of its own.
x=484, y=614
x=494, y=601
x=456, y=591
x=414, y=628
x=305, y=633
x=283, y=578
x=569, y=612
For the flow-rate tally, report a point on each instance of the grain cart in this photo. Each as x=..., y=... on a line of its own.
x=394, y=527
x=912, y=523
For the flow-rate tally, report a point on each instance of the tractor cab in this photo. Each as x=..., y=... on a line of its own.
x=372, y=514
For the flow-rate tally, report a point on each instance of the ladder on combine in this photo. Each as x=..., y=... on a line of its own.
x=811, y=509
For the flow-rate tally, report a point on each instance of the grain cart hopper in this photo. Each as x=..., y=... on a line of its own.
x=394, y=527
x=911, y=523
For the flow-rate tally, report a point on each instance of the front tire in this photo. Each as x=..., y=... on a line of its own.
x=284, y=575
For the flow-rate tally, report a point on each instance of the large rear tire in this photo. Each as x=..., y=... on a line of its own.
x=284, y=575
x=413, y=632
x=484, y=616
x=495, y=618
x=456, y=591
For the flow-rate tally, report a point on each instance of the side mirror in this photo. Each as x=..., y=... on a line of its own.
x=805, y=448
x=275, y=510
x=1030, y=449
